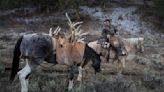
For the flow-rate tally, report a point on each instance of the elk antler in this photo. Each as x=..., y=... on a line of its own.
x=56, y=31
x=73, y=28
x=50, y=32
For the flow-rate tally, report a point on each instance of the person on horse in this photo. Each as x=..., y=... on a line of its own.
x=109, y=36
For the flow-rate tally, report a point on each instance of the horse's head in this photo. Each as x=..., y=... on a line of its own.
x=140, y=45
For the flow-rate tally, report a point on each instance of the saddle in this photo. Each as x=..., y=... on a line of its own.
x=113, y=43
x=103, y=42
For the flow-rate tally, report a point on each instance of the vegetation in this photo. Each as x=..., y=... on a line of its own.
x=62, y=4
x=159, y=7
x=45, y=5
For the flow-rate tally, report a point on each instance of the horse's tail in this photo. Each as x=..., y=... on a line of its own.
x=15, y=63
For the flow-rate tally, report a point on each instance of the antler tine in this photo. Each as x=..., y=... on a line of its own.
x=65, y=35
x=68, y=18
x=77, y=23
x=56, y=30
x=78, y=28
x=50, y=32
x=86, y=33
x=80, y=34
x=80, y=40
x=70, y=23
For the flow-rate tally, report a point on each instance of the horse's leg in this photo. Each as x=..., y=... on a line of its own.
x=123, y=62
x=25, y=73
x=22, y=76
x=120, y=64
x=106, y=56
x=84, y=62
x=79, y=78
x=71, y=76
x=117, y=64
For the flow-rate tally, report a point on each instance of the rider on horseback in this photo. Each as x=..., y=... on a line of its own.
x=108, y=36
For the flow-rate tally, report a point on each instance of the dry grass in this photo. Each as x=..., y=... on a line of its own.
x=132, y=80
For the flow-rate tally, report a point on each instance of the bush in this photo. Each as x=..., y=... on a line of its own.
x=60, y=4
x=117, y=84
x=159, y=7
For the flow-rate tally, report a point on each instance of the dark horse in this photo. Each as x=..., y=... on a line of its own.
x=36, y=48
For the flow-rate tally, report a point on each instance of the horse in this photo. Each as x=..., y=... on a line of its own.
x=132, y=45
x=33, y=49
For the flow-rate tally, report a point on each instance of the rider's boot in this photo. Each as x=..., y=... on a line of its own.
x=120, y=51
